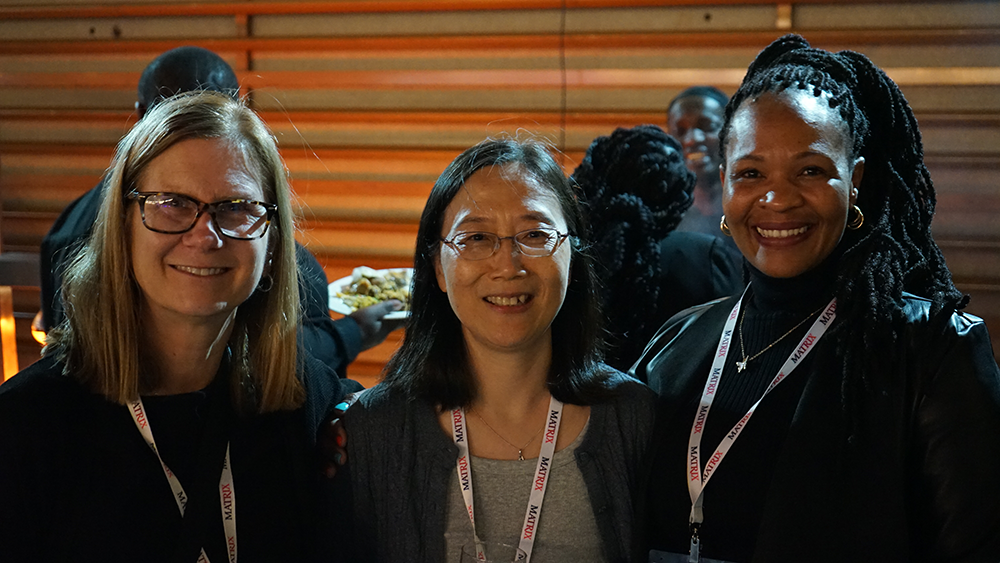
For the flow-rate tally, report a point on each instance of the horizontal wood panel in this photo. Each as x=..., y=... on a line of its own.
x=42, y=9
x=945, y=134
x=754, y=40
x=973, y=262
x=371, y=99
x=518, y=22
x=881, y=16
x=610, y=57
x=592, y=97
x=127, y=28
x=491, y=79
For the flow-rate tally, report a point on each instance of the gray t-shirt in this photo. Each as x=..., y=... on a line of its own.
x=567, y=531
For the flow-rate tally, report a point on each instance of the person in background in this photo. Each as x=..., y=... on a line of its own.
x=635, y=189
x=845, y=408
x=188, y=69
x=695, y=118
x=173, y=416
x=497, y=399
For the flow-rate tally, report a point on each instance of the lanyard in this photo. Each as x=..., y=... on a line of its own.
x=697, y=479
x=538, y=484
x=227, y=493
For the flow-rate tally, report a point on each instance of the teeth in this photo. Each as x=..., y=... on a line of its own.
x=695, y=155
x=783, y=233
x=200, y=271
x=507, y=301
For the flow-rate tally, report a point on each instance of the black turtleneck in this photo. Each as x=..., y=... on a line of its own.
x=734, y=498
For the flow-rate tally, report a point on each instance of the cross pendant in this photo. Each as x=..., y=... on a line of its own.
x=741, y=365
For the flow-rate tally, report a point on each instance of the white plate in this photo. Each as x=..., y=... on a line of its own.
x=337, y=304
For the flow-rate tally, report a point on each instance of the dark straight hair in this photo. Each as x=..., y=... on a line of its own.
x=432, y=363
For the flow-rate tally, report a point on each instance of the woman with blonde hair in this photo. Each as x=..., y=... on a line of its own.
x=175, y=386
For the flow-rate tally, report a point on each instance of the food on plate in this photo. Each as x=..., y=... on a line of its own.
x=368, y=287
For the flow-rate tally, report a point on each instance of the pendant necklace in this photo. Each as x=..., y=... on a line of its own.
x=742, y=364
x=520, y=455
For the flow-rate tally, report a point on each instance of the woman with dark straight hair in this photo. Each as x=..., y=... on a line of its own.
x=497, y=398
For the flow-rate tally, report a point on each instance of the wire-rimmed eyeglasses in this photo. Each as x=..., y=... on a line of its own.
x=168, y=213
x=477, y=245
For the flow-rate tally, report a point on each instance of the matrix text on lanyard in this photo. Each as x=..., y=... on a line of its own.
x=698, y=479
x=227, y=493
x=538, y=484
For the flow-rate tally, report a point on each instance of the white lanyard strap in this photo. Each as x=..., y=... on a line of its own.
x=538, y=484
x=541, y=480
x=460, y=434
x=227, y=493
x=698, y=480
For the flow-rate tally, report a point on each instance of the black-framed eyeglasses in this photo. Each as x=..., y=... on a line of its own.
x=536, y=243
x=168, y=213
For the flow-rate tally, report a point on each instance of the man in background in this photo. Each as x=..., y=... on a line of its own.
x=695, y=118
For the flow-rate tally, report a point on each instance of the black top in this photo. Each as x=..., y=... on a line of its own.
x=78, y=482
x=693, y=268
x=771, y=308
x=792, y=488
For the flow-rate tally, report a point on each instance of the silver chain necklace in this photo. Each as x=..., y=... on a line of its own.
x=742, y=364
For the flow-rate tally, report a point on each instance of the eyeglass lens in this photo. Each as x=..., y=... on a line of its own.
x=174, y=213
x=479, y=245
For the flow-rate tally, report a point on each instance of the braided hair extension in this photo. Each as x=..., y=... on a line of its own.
x=894, y=250
x=635, y=188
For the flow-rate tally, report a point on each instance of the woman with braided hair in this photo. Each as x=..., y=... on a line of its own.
x=882, y=444
x=635, y=189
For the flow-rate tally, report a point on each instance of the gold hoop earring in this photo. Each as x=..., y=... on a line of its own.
x=724, y=227
x=858, y=220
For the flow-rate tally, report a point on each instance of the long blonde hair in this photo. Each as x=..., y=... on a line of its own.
x=100, y=341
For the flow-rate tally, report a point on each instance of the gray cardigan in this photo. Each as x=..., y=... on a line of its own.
x=400, y=464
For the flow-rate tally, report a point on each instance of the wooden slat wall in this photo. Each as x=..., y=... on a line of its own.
x=371, y=99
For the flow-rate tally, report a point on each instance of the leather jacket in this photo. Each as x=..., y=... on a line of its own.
x=922, y=480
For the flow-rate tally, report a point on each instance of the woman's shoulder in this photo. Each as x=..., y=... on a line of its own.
x=629, y=398
x=625, y=388
x=920, y=311
x=682, y=343
x=924, y=326
x=709, y=316
x=381, y=405
x=41, y=391
x=44, y=378
x=938, y=332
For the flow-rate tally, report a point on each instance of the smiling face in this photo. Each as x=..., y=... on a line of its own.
x=200, y=275
x=695, y=121
x=789, y=181
x=506, y=302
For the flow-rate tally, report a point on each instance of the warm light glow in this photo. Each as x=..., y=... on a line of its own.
x=37, y=330
x=8, y=339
